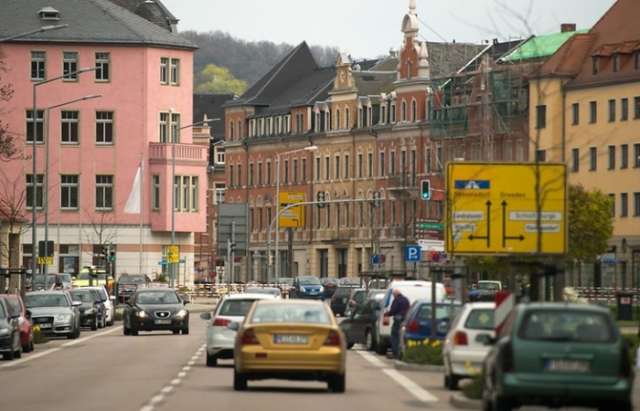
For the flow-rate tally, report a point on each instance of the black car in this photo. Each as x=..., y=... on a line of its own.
x=359, y=328
x=155, y=309
x=307, y=287
x=341, y=299
x=92, y=310
x=128, y=284
x=10, y=345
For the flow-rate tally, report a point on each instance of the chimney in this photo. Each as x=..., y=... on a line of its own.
x=567, y=27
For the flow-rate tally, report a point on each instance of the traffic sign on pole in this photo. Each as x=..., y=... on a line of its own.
x=412, y=253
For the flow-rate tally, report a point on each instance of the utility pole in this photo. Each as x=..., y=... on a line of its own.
x=290, y=252
x=233, y=254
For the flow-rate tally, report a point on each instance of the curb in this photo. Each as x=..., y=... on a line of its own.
x=401, y=365
x=458, y=400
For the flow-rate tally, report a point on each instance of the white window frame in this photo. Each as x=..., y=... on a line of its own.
x=39, y=58
x=104, y=186
x=103, y=58
x=174, y=72
x=72, y=124
x=70, y=65
x=103, y=123
x=164, y=70
x=69, y=186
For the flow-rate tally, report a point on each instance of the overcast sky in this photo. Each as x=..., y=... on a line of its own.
x=369, y=28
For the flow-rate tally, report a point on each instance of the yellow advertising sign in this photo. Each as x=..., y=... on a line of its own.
x=293, y=217
x=45, y=260
x=492, y=208
x=173, y=254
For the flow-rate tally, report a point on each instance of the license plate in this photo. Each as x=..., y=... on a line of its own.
x=290, y=339
x=163, y=322
x=46, y=325
x=568, y=366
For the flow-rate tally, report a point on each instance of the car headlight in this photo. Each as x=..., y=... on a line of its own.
x=4, y=331
x=142, y=314
x=321, y=289
x=181, y=314
x=63, y=318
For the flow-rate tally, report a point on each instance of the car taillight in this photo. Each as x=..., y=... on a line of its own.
x=333, y=339
x=507, y=358
x=249, y=338
x=460, y=338
x=413, y=326
x=386, y=320
x=221, y=322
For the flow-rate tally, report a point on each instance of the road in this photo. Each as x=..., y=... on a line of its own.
x=105, y=370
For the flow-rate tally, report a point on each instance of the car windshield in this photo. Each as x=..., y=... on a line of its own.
x=236, y=308
x=290, y=313
x=567, y=326
x=343, y=292
x=103, y=294
x=480, y=319
x=86, y=276
x=157, y=298
x=46, y=300
x=48, y=280
x=132, y=279
x=309, y=281
x=360, y=296
x=66, y=278
x=84, y=296
x=488, y=286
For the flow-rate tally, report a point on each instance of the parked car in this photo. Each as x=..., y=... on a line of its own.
x=340, y=300
x=275, y=292
x=92, y=310
x=359, y=327
x=220, y=338
x=358, y=296
x=109, y=303
x=40, y=282
x=558, y=355
x=330, y=285
x=412, y=290
x=289, y=339
x=417, y=323
x=54, y=312
x=464, y=348
x=128, y=284
x=307, y=287
x=155, y=309
x=10, y=345
x=17, y=309
x=485, y=290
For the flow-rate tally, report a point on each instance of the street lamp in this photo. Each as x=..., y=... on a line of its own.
x=309, y=148
x=34, y=139
x=35, y=31
x=46, y=169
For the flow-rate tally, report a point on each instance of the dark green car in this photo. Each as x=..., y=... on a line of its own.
x=557, y=354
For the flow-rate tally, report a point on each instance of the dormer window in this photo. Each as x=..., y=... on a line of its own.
x=595, y=65
x=616, y=63
x=636, y=60
x=49, y=14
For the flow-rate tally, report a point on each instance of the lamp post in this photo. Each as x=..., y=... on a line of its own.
x=46, y=169
x=277, y=264
x=34, y=139
x=35, y=31
x=174, y=139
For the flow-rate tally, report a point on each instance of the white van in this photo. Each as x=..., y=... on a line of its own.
x=413, y=290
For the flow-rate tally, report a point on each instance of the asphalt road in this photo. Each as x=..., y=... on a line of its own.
x=105, y=370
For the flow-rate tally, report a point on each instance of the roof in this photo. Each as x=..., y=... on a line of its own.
x=153, y=10
x=89, y=21
x=213, y=106
x=538, y=47
x=370, y=83
x=446, y=59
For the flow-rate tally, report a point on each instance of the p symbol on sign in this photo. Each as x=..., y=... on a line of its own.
x=412, y=253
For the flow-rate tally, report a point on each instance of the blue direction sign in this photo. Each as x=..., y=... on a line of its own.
x=412, y=253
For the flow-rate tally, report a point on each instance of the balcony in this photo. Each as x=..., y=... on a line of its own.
x=162, y=152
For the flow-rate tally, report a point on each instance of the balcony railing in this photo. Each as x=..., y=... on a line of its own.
x=189, y=152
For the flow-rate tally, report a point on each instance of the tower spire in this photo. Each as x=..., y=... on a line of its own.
x=412, y=6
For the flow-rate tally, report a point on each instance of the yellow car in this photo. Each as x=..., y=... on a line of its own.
x=291, y=340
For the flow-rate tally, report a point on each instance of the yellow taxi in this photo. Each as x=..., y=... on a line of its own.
x=291, y=340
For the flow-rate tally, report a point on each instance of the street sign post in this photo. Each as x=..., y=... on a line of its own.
x=412, y=253
x=493, y=208
x=293, y=217
x=173, y=254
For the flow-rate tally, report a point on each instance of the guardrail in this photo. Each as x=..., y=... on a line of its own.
x=220, y=290
x=607, y=295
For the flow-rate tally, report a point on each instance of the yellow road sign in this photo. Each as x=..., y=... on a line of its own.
x=45, y=260
x=492, y=208
x=293, y=217
x=173, y=254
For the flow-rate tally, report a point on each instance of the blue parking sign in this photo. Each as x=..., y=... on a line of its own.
x=412, y=253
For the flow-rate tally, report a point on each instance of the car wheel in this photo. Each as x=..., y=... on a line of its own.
x=620, y=406
x=19, y=352
x=239, y=381
x=94, y=324
x=501, y=404
x=212, y=360
x=133, y=332
x=368, y=337
x=381, y=348
x=350, y=345
x=185, y=331
x=337, y=383
x=125, y=330
x=175, y=332
x=451, y=382
x=9, y=356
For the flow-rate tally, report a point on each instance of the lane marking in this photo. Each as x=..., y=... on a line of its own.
x=167, y=389
x=157, y=398
x=420, y=393
x=175, y=381
x=414, y=389
x=56, y=349
x=147, y=408
x=182, y=374
x=186, y=368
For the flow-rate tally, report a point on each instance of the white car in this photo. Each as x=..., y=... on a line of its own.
x=413, y=290
x=107, y=300
x=230, y=309
x=465, y=346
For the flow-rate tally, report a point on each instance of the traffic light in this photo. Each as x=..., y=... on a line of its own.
x=426, y=190
x=320, y=198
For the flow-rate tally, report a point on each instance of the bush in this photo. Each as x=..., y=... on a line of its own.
x=38, y=336
x=473, y=388
x=423, y=352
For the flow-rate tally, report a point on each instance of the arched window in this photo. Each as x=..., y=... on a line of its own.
x=383, y=113
x=370, y=116
x=317, y=122
x=327, y=126
x=347, y=118
x=337, y=119
x=403, y=111
x=360, y=122
x=414, y=111
x=231, y=136
x=392, y=113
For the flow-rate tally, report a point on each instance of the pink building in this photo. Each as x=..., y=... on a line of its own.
x=144, y=77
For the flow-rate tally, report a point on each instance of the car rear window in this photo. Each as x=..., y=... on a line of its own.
x=13, y=305
x=235, y=308
x=480, y=319
x=442, y=312
x=290, y=313
x=567, y=326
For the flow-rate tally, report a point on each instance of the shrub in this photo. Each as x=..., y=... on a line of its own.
x=473, y=388
x=38, y=336
x=423, y=352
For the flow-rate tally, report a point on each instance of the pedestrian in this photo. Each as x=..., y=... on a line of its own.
x=397, y=311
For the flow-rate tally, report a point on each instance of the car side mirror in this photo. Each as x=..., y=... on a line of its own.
x=205, y=316
x=234, y=326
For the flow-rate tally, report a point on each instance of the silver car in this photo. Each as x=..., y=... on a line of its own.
x=54, y=312
x=231, y=309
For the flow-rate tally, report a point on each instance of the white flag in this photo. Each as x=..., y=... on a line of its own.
x=133, y=205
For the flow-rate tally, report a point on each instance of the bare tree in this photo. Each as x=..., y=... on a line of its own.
x=8, y=148
x=12, y=216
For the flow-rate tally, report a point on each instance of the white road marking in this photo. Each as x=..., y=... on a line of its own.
x=176, y=381
x=147, y=408
x=414, y=389
x=52, y=350
x=167, y=389
x=190, y=363
x=182, y=374
x=157, y=398
x=186, y=368
x=420, y=393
